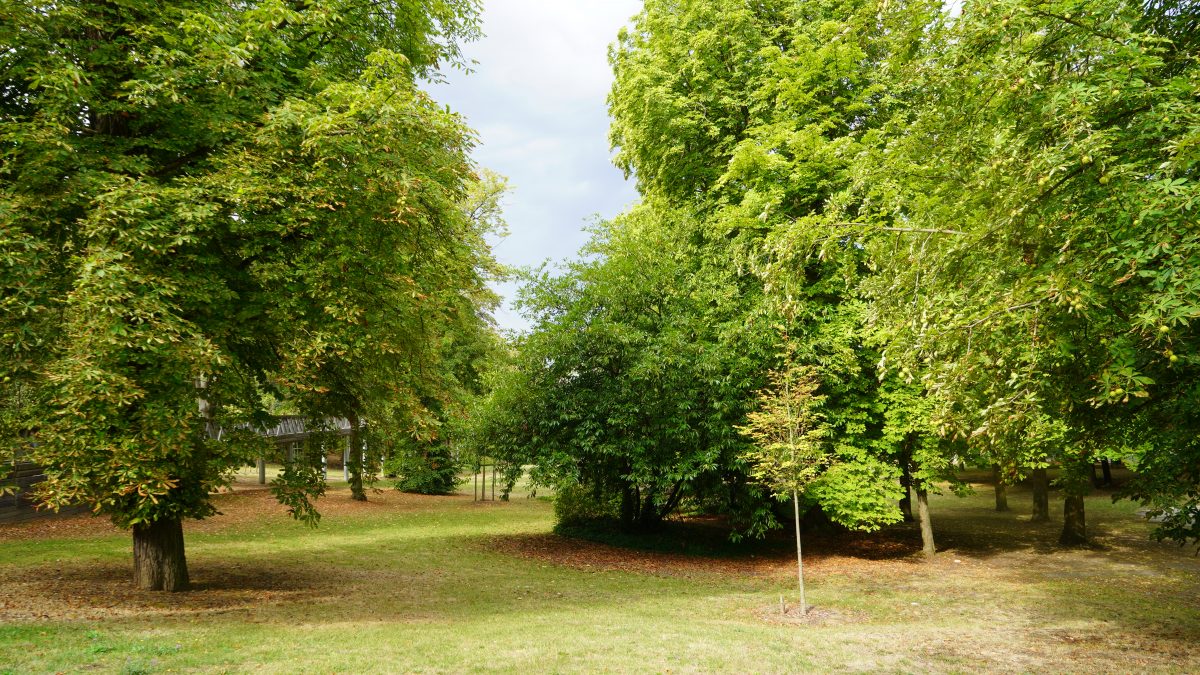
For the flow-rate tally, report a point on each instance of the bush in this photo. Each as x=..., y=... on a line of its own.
x=424, y=468
x=575, y=504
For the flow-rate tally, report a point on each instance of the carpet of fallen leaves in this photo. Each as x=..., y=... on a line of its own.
x=104, y=591
x=245, y=503
x=774, y=558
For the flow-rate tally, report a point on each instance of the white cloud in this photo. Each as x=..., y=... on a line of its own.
x=537, y=100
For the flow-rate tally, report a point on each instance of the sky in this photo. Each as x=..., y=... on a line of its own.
x=536, y=99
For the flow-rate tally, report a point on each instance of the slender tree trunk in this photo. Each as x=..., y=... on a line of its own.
x=356, y=461
x=1041, y=496
x=1074, y=531
x=1001, y=489
x=158, y=560
x=799, y=556
x=1106, y=467
x=906, y=484
x=927, y=545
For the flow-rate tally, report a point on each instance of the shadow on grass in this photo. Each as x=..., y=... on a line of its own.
x=372, y=572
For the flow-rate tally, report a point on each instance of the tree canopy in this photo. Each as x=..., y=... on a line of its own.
x=210, y=200
x=975, y=224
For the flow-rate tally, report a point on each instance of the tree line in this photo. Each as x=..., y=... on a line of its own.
x=874, y=241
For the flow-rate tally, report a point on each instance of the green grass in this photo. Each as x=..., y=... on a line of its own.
x=429, y=584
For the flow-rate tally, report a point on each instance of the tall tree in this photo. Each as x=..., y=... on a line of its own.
x=1043, y=159
x=203, y=199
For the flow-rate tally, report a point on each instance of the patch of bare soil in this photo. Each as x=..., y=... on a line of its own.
x=790, y=615
x=105, y=591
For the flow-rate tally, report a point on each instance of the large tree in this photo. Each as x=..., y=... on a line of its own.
x=1043, y=158
x=201, y=200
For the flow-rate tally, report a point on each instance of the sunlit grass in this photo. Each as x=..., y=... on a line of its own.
x=421, y=584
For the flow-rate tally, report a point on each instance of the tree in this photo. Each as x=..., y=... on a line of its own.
x=426, y=462
x=788, y=453
x=206, y=200
x=747, y=117
x=1039, y=157
x=633, y=376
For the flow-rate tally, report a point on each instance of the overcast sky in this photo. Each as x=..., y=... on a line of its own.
x=537, y=101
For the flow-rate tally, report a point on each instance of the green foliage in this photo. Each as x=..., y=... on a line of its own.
x=789, y=452
x=577, y=505
x=215, y=200
x=634, y=375
x=1037, y=176
x=424, y=468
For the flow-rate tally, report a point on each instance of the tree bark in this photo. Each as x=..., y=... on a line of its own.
x=1074, y=528
x=799, y=552
x=1001, y=489
x=906, y=485
x=158, y=560
x=629, y=504
x=649, y=516
x=1106, y=467
x=1041, y=496
x=927, y=545
x=356, y=462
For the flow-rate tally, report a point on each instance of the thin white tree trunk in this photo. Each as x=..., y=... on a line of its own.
x=799, y=557
x=787, y=395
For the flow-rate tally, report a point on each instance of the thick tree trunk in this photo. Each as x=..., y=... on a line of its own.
x=1074, y=528
x=649, y=517
x=629, y=504
x=927, y=545
x=1001, y=489
x=158, y=560
x=1041, y=496
x=356, y=462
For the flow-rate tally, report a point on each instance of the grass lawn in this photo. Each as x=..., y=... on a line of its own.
x=408, y=583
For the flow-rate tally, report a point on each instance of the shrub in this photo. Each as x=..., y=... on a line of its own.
x=424, y=468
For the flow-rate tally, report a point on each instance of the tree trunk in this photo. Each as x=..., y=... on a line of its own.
x=629, y=504
x=356, y=462
x=1001, y=489
x=927, y=545
x=799, y=552
x=1074, y=484
x=1074, y=528
x=1106, y=467
x=649, y=517
x=906, y=485
x=158, y=560
x=1041, y=496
